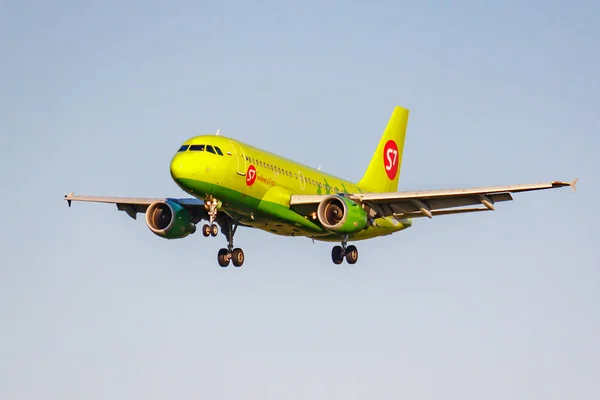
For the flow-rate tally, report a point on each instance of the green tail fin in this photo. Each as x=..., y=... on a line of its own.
x=383, y=172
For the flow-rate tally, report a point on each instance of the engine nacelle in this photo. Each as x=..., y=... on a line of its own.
x=169, y=220
x=339, y=214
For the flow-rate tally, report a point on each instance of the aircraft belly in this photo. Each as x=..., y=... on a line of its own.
x=271, y=212
x=381, y=227
x=275, y=209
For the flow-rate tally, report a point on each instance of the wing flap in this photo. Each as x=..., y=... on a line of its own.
x=436, y=213
x=461, y=201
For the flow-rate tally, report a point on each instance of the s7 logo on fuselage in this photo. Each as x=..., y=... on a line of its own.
x=390, y=159
x=251, y=175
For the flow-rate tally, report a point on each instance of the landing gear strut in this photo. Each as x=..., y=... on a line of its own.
x=349, y=252
x=235, y=255
x=212, y=229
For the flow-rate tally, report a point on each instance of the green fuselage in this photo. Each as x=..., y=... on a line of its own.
x=255, y=186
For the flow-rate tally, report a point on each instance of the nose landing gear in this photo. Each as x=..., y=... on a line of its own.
x=211, y=205
x=349, y=252
x=210, y=230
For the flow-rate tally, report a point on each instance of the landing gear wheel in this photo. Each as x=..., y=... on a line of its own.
x=351, y=254
x=237, y=257
x=223, y=258
x=214, y=230
x=230, y=254
x=337, y=255
x=206, y=230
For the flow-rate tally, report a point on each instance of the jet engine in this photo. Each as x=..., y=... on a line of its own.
x=339, y=214
x=169, y=220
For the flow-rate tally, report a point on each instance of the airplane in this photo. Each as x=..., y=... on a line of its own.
x=235, y=184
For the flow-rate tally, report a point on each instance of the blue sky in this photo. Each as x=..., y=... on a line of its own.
x=96, y=98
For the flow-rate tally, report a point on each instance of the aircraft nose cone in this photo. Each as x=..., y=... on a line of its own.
x=176, y=168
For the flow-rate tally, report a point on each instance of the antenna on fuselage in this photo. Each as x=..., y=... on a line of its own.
x=218, y=131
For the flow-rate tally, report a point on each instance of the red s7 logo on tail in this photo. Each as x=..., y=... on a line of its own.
x=390, y=159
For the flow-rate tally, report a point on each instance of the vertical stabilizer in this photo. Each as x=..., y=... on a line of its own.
x=383, y=171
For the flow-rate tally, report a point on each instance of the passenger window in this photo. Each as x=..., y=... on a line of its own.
x=219, y=152
x=183, y=148
x=210, y=149
x=197, y=147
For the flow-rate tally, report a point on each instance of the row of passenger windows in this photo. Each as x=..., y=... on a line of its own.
x=216, y=150
x=201, y=147
x=289, y=173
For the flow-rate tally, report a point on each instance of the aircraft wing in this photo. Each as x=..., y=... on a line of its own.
x=132, y=205
x=428, y=203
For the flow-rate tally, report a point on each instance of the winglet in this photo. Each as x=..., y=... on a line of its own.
x=68, y=198
x=573, y=184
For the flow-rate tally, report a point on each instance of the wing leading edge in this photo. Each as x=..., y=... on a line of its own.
x=134, y=205
x=430, y=203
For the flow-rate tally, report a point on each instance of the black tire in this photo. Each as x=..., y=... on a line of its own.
x=206, y=230
x=237, y=257
x=223, y=258
x=214, y=230
x=351, y=254
x=336, y=255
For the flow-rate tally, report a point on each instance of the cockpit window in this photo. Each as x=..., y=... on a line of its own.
x=183, y=148
x=204, y=147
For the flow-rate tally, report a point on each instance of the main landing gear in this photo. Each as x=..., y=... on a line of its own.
x=349, y=252
x=211, y=229
x=235, y=255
